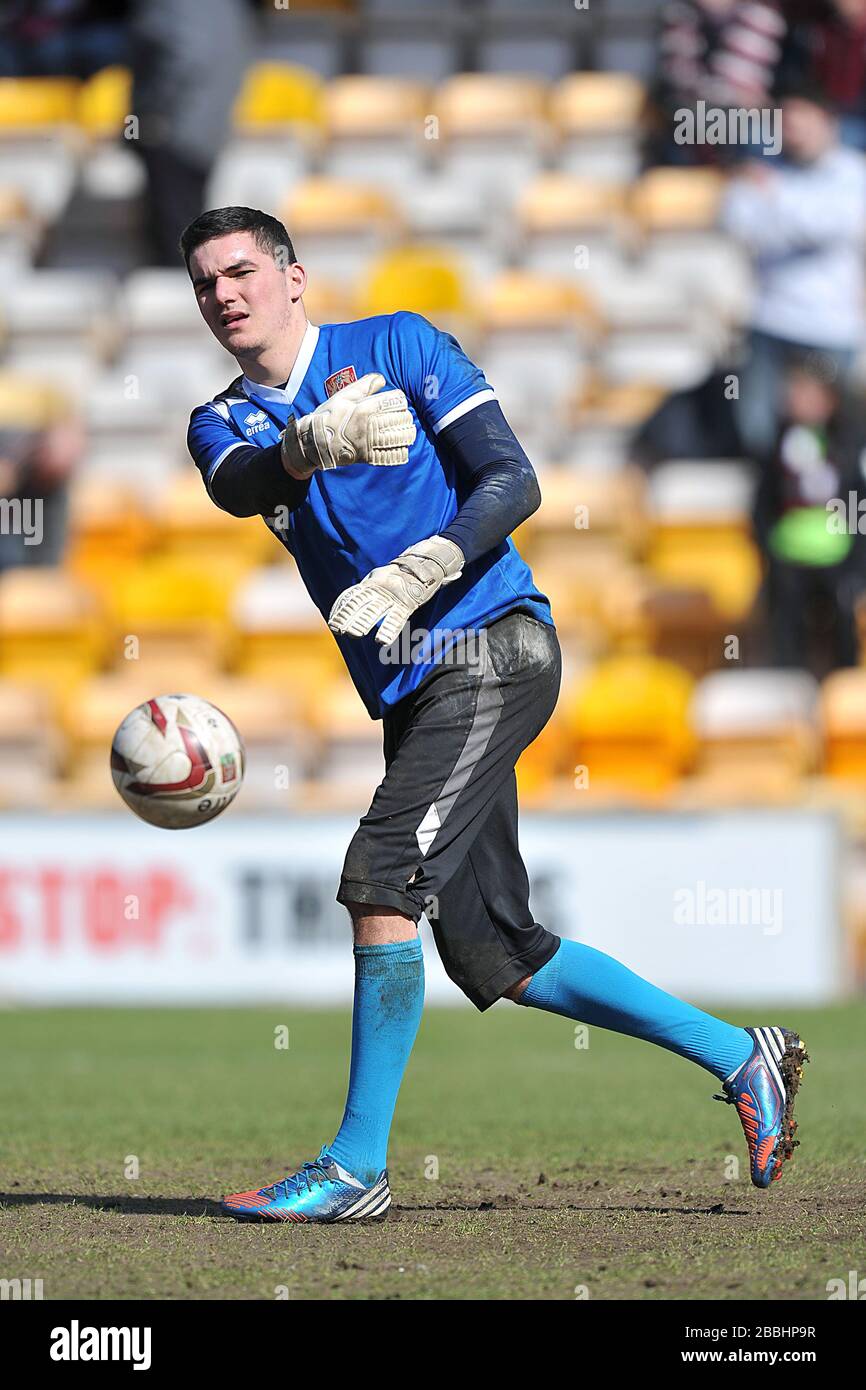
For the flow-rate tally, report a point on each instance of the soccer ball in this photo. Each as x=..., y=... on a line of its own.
x=177, y=761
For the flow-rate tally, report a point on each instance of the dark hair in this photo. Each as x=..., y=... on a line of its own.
x=808, y=90
x=270, y=235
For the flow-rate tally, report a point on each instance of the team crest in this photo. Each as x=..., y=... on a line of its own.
x=344, y=377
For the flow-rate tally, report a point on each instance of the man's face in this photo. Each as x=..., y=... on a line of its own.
x=807, y=130
x=245, y=294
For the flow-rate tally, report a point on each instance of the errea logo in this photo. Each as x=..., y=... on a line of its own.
x=256, y=421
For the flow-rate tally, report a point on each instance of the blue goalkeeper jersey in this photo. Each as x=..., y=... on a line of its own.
x=356, y=517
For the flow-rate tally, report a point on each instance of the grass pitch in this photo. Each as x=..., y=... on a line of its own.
x=523, y=1167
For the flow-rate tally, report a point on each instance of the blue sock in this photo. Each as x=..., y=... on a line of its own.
x=389, y=997
x=587, y=985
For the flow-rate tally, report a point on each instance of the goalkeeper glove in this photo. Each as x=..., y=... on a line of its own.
x=393, y=592
x=354, y=426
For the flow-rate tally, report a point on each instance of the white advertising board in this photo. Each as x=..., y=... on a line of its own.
x=730, y=907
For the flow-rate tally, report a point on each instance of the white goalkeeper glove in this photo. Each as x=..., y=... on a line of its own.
x=354, y=426
x=393, y=592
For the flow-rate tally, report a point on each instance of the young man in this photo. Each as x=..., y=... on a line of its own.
x=377, y=454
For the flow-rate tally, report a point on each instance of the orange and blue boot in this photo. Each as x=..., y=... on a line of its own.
x=763, y=1089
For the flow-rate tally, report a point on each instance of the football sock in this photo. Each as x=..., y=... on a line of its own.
x=389, y=996
x=582, y=983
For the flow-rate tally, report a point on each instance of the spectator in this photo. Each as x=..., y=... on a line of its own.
x=188, y=63
x=826, y=45
x=722, y=52
x=61, y=38
x=804, y=221
x=806, y=520
x=40, y=448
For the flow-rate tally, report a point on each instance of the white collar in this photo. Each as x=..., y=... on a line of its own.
x=286, y=394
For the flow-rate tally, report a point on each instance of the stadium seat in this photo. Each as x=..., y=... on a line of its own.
x=601, y=418
x=41, y=169
x=756, y=734
x=351, y=762
x=35, y=103
x=50, y=630
x=571, y=224
x=280, y=637
x=166, y=606
x=677, y=199
x=700, y=533
x=413, y=39
x=456, y=218
x=676, y=210
x=276, y=97
x=109, y=530
x=597, y=115
x=104, y=102
x=628, y=726
x=57, y=322
x=30, y=747
x=415, y=277
x=492, y=130
x=166, y=347
x=18, y=231
x=338, y=225
x=192, y=528
x=28, y=403
x=131, y=437
x=375, y=128
x=257, y=171
x=843, y=723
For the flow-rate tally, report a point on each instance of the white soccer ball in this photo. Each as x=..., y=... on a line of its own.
x=177, y=761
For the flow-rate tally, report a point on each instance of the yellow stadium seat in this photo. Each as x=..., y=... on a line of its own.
x=414, y=277
x=29, y=404
x=629, y=727
x=720, y=559
x=584, y=504
x=30, y=746
x=592, y=103
x=603, y=404
x=104, y=102
x=472, y=104
x=165, y=606
x=49, y=628
x=32, y=103
x=843, y=719
x=351, y=756
x=558, y=202
x=543, y=763
x=320, y=206
x=275, y=95
x=522, y=300
x=191, y=528
x=326, y=302
x=108, y=530
x=359, y=107
x=665, y=200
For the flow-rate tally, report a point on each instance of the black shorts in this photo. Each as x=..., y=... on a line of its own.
x=440, y=837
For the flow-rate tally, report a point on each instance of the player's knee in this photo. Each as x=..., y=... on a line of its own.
x=515, y=992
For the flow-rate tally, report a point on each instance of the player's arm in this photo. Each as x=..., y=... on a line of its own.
x=359, y=424
x=502, y=487
x=497, y=482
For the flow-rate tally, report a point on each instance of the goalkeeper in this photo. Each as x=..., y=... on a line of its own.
x=377, y=454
